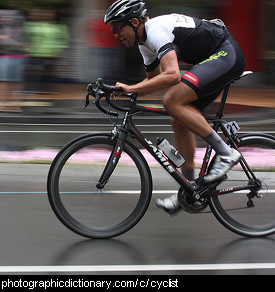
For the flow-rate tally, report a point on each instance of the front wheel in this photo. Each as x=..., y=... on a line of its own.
x=85, y=209
x=245, y=212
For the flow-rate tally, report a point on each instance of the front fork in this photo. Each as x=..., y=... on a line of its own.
x=113, y=159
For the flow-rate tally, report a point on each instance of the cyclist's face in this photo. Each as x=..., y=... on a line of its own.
x=124, y=33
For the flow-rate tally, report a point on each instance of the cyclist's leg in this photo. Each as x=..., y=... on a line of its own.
x=225, y=65
x=177, y=103
x=209, y=77
x=185, y=142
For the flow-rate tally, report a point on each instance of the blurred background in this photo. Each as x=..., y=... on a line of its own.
x=45, y=42
x=51, y=49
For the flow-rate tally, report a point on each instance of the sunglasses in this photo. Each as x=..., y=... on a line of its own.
x=118, y=29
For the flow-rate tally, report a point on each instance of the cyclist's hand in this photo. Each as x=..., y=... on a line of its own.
x=125, y=87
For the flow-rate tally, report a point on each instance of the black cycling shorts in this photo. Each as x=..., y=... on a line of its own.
x=209, y=77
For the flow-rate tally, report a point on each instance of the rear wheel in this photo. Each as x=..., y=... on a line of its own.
x=249, y=213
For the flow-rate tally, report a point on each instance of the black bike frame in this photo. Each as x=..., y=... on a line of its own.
x=162, y=159
x=128, y=127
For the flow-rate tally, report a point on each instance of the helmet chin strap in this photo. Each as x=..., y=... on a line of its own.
x=136, y=30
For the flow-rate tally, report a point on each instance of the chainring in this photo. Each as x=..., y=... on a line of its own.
x=189, y=205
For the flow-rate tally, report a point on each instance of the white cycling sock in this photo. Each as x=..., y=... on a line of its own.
x=218, y=144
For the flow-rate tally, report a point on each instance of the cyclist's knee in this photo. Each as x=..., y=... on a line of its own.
x=179, y=95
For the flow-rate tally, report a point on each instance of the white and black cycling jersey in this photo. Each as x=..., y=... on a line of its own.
x=193, y=39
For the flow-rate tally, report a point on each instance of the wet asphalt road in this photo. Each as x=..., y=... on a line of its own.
x=34, y=241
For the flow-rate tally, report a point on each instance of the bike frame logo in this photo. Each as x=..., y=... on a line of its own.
x=162, y=159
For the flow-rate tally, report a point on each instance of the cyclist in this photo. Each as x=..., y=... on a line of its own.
x=165, y=40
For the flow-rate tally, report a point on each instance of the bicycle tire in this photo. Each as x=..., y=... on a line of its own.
x=84, y=209
x=255, y=217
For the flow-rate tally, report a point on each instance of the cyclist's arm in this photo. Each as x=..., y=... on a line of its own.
x=164, y=76
x=154, y=73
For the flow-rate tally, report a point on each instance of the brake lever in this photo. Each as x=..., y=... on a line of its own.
x=95, y=92
x=90, y=91
x=98, y=95
x=100, y=91
x=87, y=101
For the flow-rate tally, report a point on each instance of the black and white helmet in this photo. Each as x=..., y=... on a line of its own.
x=125, y=10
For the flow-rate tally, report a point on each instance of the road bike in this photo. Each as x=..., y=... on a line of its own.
x=100, y=184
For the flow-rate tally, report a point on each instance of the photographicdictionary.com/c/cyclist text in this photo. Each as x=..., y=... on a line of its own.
x=46, y=283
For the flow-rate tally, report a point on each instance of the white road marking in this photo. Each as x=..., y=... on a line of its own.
x=137, y=268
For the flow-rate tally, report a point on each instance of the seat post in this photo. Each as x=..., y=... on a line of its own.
x=219, y=114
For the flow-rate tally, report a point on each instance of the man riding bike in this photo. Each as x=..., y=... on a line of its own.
x=165, y=40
